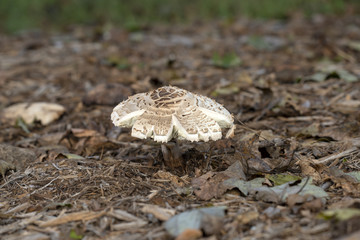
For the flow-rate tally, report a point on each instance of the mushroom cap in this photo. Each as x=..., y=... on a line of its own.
x=170, y=112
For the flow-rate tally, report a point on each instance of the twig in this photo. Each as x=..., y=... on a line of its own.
x=11, y=180
x=335, y=156
x=303, y=186
x=243, y=125
x=39, y=189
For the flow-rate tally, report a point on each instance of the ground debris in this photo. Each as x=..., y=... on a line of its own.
x=291, y=170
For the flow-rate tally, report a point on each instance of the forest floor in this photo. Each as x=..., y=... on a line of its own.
x=290, y=172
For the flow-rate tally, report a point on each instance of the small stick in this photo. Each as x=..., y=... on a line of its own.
x=335, y=156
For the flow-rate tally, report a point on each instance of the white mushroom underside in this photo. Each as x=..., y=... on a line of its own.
x=144, y=128
x=170, y=112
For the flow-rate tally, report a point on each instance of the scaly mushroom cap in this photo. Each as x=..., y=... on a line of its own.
x=170, y=112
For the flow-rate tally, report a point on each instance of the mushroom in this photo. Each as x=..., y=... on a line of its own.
x=173, y=113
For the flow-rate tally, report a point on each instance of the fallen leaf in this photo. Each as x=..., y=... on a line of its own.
x=303, y=188
x=212, y=184
x=195, y=219
x=355, y=174
x=279, y=179
x=273, y=212
x=247, y=217
x=15, y=158
x=74, y=235
x=350, y=184
x=30, y=112
x=299, y=202
x=244, y=186
x=209, y=185
x=5, y=166
x=328, y=70
x=226, y=90
x=226, y=61
x=346, y=202
x=22, y=124
x=235, y=171
x=281, y=192
x=177, y=181
x=189, y=234
x=319, y=77
x=340, y=214
x=307, y=169
x=267, y=194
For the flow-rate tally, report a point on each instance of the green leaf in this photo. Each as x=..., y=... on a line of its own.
x=227, y=90
x=279, y=179
x=339, y=214
x=22, y=124
x=74, y=235
x=226, y=61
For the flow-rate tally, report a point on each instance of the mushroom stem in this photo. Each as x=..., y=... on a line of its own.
x=166, y=154
x=172, y=154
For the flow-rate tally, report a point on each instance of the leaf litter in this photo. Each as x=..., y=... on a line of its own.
x=290, y=172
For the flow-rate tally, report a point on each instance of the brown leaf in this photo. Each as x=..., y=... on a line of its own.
x=15, y=157
x=308, y=169
x=189, y=234
x=299, y=202
x=348, y=183
x=211, y=225
x=247, y=217
x=177, y=181
x=211, y=184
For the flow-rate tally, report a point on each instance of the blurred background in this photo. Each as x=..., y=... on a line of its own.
x=57, y=15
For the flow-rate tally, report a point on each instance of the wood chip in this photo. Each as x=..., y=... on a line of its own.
x=76, y=216
x=160, y=213
x=128, y=226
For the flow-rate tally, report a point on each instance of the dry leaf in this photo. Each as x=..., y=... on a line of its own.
x=30, y=112
x=15, y=158
x=189, y=234
x=177, y=181
x=206, y=219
